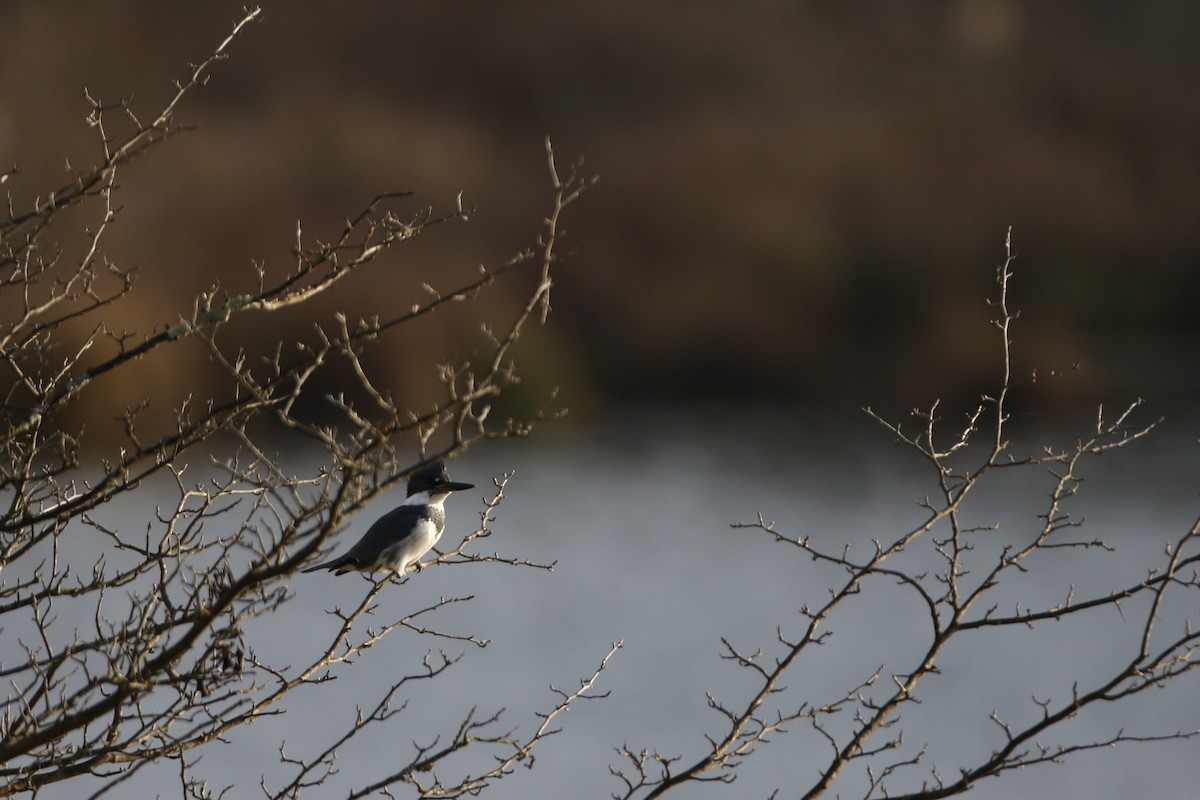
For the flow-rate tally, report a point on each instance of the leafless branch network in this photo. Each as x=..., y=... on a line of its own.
x=957, y=586
x=131, y=646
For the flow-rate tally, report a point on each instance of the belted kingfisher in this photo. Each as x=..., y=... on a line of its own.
x=402, y=536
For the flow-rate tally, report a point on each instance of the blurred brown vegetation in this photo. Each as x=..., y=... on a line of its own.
x=801, y=202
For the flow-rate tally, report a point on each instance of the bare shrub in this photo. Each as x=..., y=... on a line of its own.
x=959, y=574
x=161, y=666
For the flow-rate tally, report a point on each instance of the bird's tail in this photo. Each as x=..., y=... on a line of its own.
x=331, y=565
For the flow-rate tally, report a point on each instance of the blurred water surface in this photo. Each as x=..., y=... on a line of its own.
x=638, y=519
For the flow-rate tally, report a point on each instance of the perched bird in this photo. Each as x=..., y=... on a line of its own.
x=402, y=536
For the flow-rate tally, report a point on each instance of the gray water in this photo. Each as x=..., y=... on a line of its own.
x=638, y=519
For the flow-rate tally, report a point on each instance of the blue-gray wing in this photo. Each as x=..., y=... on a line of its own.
x=389, y=529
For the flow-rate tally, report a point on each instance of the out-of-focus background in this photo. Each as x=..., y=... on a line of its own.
x=800, y=210
x=801, y=202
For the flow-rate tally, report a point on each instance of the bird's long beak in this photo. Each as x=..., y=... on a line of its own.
x=455, y=486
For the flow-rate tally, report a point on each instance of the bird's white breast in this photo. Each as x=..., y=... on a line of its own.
x=420, y=541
